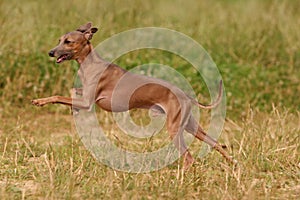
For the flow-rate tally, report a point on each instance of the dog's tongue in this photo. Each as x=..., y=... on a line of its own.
x=60, y=59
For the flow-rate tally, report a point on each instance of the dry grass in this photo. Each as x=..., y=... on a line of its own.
x=43, y=161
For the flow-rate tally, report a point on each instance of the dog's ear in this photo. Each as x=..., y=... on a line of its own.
x=87, y=30
x=85, y=27
x=89, y=33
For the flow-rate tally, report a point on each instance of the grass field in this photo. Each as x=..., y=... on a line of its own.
x=256, y=46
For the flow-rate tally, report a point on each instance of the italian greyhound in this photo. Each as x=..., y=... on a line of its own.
x=116, y=90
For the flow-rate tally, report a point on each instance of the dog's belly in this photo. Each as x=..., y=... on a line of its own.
x=118, y=105
x=148, y=96
x=122, y=105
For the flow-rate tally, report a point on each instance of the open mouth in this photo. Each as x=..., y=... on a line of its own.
x=62, y=58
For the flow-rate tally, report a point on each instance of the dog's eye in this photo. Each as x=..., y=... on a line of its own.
x=67, y=42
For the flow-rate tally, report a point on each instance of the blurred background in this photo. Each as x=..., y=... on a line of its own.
x=255, y=44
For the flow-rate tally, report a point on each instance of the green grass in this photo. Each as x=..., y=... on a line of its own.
x=255, y=45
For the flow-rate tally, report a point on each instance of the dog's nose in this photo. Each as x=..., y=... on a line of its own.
x=51, y=53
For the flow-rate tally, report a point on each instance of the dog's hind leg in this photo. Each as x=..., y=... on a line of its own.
x=194, y=128
x=175, y=126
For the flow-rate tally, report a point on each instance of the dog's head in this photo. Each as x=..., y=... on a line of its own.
x=75, y=44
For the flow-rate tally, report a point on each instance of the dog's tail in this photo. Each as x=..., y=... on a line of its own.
x=214, y=104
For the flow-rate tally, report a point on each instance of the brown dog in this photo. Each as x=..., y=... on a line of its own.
x=100, y=81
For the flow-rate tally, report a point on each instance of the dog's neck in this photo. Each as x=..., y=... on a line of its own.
x=92, y=63
x=85, y=52
x=91, y=58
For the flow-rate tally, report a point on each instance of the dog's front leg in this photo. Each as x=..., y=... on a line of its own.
x=76, y=92
x=74, y=102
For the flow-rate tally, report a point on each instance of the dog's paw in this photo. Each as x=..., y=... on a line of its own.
x=38, y=102
x=188, y=162
x=235, y=162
